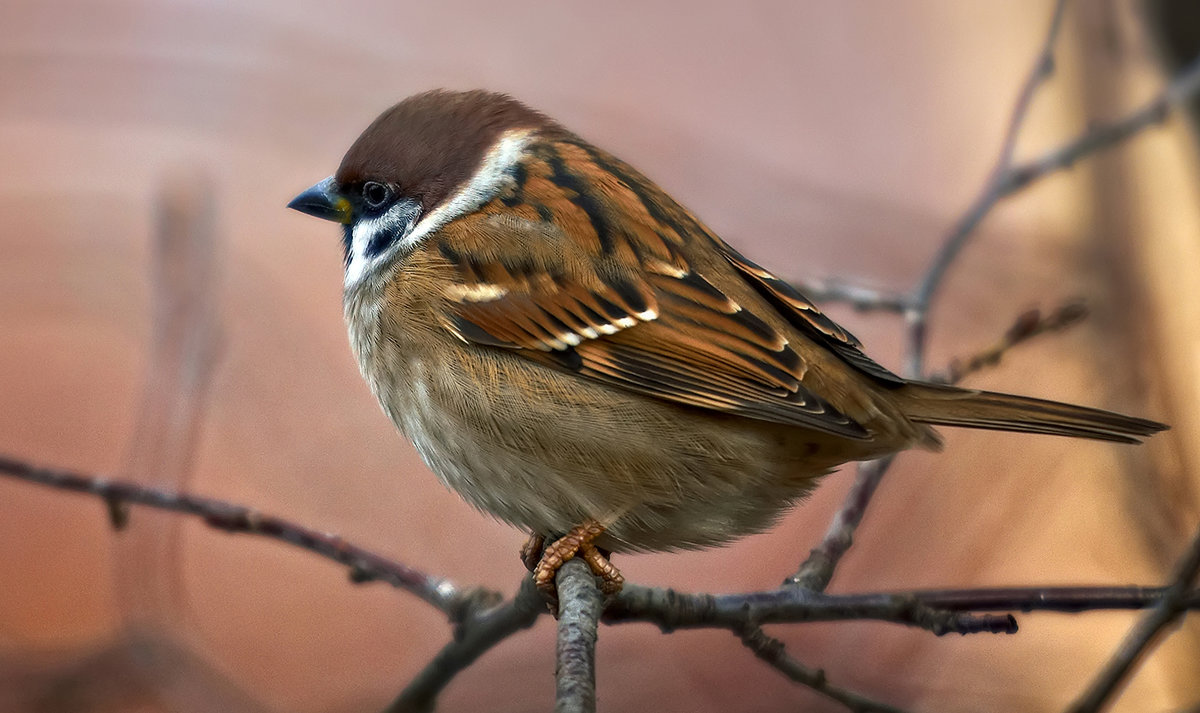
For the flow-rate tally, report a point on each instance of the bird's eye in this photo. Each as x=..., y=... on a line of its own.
x=375, y=194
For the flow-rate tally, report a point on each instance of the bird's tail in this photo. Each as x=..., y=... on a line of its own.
x=939, y=405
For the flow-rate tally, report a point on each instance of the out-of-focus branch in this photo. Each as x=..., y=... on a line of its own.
x=473, y=637
x=1177, y=598
x=364, y=565
x=774, y=654
x=185, y=338
x=1015, y=177
x=1027, y=326
x=864, y=299
x=996, y=187
x=580, y=603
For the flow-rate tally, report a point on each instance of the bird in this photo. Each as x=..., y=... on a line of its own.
x=577, y=354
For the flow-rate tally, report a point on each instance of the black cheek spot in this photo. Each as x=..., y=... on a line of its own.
x=380, y=242
x=544, y=213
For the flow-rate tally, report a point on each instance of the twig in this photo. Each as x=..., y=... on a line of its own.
x=1069, y=600
x=476, y=635
x=774, y=653
x=481, y=624
x=1183, y=87
x=863, y=299
x=365, y=565
x=672, y=610
x=1027, y=326
x=579, y=609
x=996, y=187
x=1015, y=177
x=1176, y=600
x=817, y=570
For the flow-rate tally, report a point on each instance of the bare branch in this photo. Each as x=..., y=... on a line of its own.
x=1183, y=87
x=1027, y=326
x=774, y=653
x=365, y=565
x=1015, y=177
x=672, y=610
x=1176, y=600
x=994, y=189
x=860, y=298
x=816, y=572
x=476, y=635
x=579, y=609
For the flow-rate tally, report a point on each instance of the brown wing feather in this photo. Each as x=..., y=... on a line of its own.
x=805, y=315
x=660, y=328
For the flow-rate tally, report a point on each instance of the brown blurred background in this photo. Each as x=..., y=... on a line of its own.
x=821, y=138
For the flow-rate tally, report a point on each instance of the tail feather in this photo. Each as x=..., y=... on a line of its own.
x=951, y=406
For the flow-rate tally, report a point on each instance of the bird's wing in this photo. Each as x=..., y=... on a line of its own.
x=805, y=316
x=656, y=326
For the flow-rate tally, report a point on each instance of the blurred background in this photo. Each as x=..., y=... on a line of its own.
x=822, y=139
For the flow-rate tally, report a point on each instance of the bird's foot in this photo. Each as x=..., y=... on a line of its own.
x=577, y=542
x=531, y=551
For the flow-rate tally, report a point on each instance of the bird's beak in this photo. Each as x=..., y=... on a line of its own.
x=324, y=201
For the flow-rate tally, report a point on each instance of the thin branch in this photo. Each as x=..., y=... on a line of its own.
x=994, y=189
x=1176, y=600
x=579, y=609
x=817, y=570
x=774, y=653
x=672, y=610
x=481, y=624
x=1181, y=88
x=1068, y=600
x=1027, y=326
x=365, y=565
x=475, y=636
x=863, y=299
x=922, y=608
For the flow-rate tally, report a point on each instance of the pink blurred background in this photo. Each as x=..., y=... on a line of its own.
x=821, y=138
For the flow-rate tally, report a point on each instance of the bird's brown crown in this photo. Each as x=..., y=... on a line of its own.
x=430, y=143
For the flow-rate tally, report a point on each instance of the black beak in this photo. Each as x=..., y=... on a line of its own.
x=324, y=201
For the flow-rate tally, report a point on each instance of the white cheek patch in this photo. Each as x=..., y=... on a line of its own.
x=366, y=231
x=489, y=180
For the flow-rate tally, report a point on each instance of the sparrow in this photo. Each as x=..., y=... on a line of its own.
x=577, y=354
